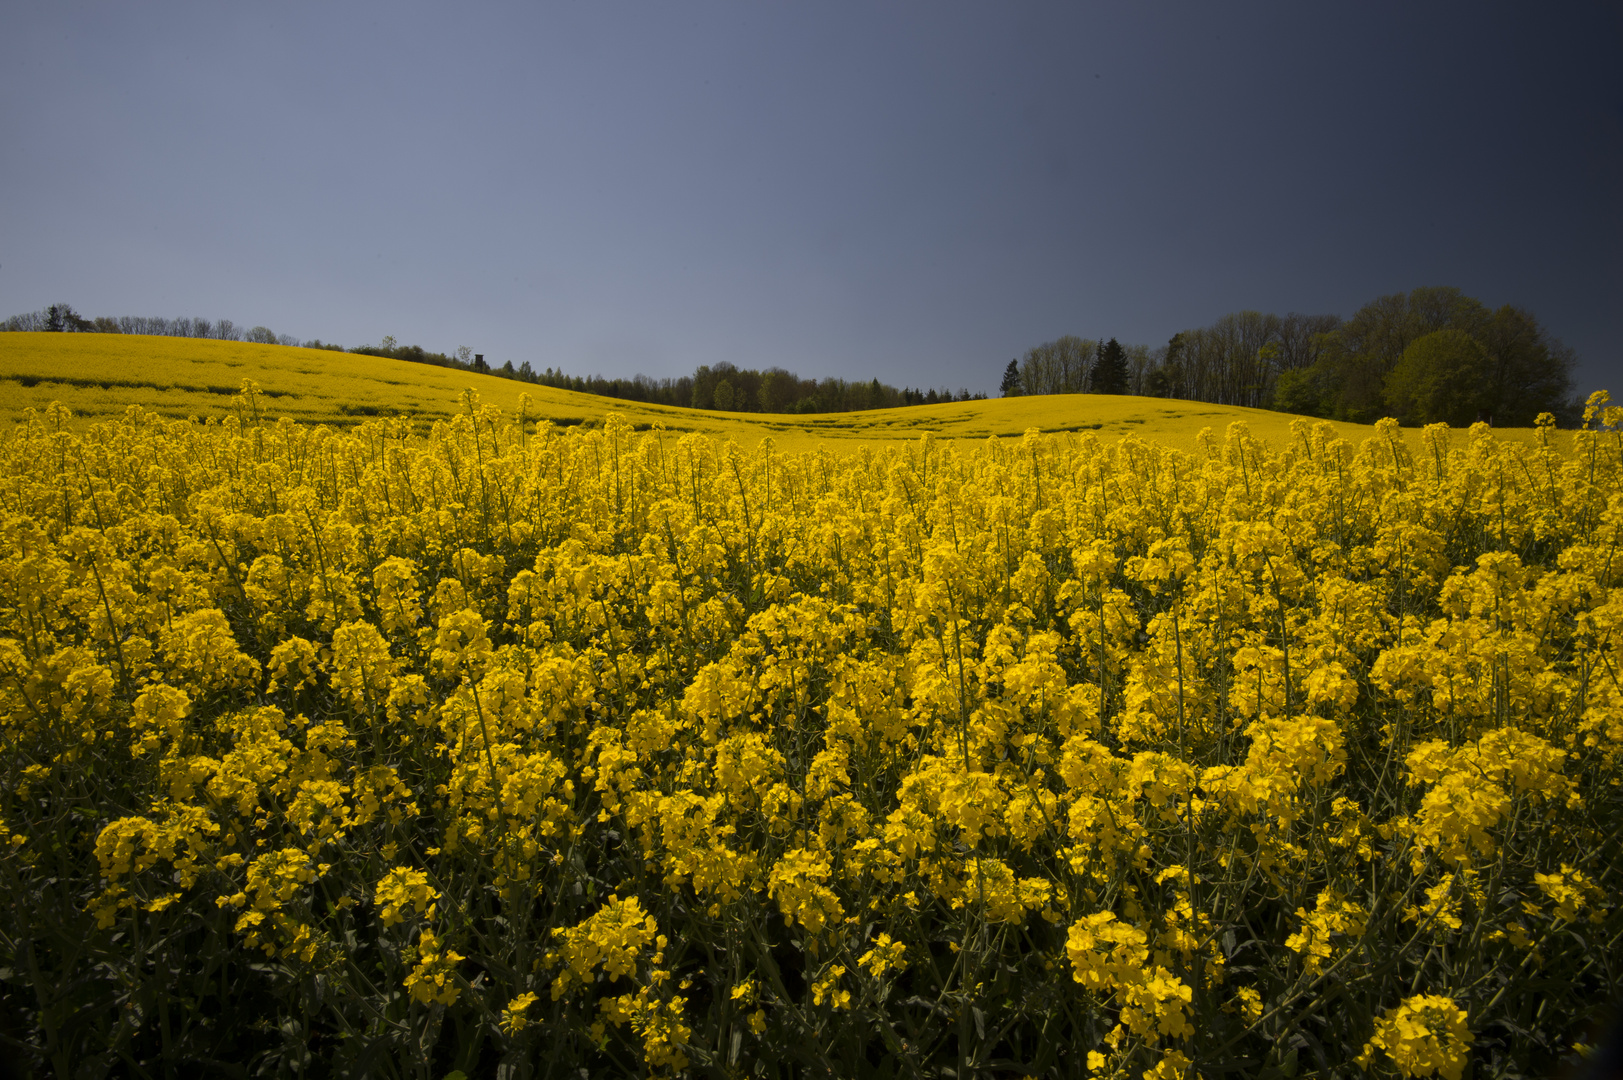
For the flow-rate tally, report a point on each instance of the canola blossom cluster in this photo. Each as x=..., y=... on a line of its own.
x=494, y=748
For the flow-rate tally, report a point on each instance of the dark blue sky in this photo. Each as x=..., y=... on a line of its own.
x=914, y=191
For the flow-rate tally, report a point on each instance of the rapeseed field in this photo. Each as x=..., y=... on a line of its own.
x=495, y=748
x=98, y=376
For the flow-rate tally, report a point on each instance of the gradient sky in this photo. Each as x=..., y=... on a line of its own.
x=917, y=191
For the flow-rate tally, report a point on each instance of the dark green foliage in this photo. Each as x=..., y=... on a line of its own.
x=1156, y=384
x=60, y=317
x=1300, y=392
x=1519, y=371
x=1528, y=372
x=779, y=391
x=1439, y=378
x=1368, y=346
x=1010, y=386
x=774, y=390
x=1110, y=369
x=1319, y=365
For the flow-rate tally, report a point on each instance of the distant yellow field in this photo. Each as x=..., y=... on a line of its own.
x=98, y=376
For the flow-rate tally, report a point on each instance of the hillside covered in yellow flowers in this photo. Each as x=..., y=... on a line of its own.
x=98, y=376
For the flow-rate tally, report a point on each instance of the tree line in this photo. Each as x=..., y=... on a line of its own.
x=62, y=318
x=1432, y=354
x=1073, y=365
x=724, y=386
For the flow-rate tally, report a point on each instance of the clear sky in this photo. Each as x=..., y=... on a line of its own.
x=917, y=191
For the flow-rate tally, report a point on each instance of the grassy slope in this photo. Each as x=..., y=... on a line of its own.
x=99, y=375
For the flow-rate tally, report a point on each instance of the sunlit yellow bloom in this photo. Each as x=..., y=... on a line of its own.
x=1425, y=1035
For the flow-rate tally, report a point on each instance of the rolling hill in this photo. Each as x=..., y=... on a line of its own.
x=98, y=376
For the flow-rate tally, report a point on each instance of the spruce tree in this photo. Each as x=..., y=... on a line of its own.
x=1110, y=369
x=1011, y=380
x=62, y=317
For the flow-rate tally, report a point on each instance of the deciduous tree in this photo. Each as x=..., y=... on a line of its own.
x=1528, y=371
x=1439, y=378
x=1365, y=348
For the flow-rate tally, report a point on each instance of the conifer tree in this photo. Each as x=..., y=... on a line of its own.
x=1110, y=369
x=1010, y=386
